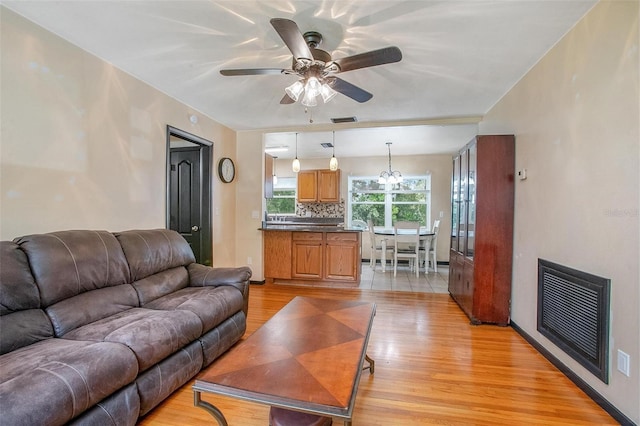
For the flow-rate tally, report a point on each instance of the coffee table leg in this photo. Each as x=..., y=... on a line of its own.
x=372, y=364
x=217, y=414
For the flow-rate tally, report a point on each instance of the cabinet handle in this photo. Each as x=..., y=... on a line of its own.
x=195, y=228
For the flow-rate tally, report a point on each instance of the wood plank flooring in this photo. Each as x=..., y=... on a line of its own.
x=432, y=368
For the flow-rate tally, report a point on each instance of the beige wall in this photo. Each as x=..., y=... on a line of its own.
x=84, y=145
x=575, y=116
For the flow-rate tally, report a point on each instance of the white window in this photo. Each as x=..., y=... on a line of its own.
x=284, y=197
x=385, y=204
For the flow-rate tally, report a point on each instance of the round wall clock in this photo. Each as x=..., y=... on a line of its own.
x=226, y=169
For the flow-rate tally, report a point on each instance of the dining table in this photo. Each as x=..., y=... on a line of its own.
x=388, y=235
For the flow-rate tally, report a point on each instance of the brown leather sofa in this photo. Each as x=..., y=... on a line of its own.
x=98, y=328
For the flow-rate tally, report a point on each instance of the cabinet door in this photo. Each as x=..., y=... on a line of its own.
x=277, y=254
x=307, y=186
x=455, y=203
x=328, y=186
x=464, y=202
x=307, y=255
x=268, y=176
x=471, y=204
x=342, y=256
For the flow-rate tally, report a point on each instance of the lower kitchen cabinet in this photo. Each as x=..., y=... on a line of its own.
x=308, y=248
x=312, y=256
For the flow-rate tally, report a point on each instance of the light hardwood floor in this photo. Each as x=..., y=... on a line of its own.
x=432, y=368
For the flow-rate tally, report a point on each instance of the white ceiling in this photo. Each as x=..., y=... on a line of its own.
x=459, y=58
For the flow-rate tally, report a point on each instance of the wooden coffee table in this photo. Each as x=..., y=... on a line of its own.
x=308, y=357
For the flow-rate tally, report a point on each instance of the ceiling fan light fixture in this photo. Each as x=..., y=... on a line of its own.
x=312, y=87
x=295, y=90
x=327, y=92
x=308, y=99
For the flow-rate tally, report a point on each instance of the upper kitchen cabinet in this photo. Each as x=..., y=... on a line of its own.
x=319, y=186
x=268, y=175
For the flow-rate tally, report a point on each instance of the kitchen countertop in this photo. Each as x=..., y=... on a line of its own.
x=307, y=228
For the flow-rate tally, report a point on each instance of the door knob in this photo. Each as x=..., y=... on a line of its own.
x=195, y=228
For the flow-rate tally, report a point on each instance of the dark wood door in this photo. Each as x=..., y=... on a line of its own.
x=185, y=195
x=189, y=190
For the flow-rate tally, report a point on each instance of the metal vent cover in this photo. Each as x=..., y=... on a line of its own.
x=344, y=120
x=573, y=312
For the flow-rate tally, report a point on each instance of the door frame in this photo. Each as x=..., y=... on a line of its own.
x=206, y=160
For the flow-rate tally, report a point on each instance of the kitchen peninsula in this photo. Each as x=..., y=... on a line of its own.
x=311, y=250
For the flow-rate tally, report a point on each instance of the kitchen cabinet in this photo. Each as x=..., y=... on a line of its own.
x=268, y=176
x=307, y=186
x=342, y=256
x=277, y=254
x=307, y=255
x=319, y=186
x=482, y=198
x=324, y=255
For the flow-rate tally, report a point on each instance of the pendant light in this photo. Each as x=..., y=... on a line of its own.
x=274, y=177
x=389, y=176
x=333, y=164
x=295, y=166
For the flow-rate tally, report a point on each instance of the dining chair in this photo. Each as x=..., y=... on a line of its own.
x=359, y=224
x=406, y=245
x=376, y=245
x=431, y=251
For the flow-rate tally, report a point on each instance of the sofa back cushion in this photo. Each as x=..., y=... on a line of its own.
x=73, y=270
x=22, y=322
x=158, y=259
x=154, y=250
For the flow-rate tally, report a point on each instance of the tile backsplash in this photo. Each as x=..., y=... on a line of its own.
x=320, y=209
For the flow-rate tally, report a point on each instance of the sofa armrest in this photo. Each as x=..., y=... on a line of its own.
x=202, y=276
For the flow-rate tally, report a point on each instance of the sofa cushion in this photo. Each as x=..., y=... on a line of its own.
x=91, y=306
x=152, y=335
x=22, y=322
x=69, y=263
x=58, y=379
x=161, y=284
x=212, y=305
x=154, y=250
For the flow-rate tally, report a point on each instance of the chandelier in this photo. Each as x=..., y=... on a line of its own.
x=389, y=176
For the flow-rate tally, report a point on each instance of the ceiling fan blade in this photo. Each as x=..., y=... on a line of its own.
x=292, y=37
x=286, y=99
x=252, y=71
x=348, y=89
x=385, y=55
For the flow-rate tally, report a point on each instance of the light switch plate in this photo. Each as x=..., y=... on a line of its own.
x=624, y=362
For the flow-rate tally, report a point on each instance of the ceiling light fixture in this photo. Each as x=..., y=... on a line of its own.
x=274, y=177
x=333, y=163
x=295, y=166
x=271, y=149
x=311, y=87
x=389, y=176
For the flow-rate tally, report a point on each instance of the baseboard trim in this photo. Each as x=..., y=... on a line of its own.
x=584, y=386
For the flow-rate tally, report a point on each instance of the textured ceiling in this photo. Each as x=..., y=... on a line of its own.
x=459, y=57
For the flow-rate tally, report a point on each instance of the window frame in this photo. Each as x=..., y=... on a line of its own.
x=389, y=191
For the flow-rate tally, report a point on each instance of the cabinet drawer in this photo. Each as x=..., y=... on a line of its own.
x=342, y=236
x=307, y=236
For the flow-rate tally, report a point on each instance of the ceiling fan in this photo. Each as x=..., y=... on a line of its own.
x=316, y=68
